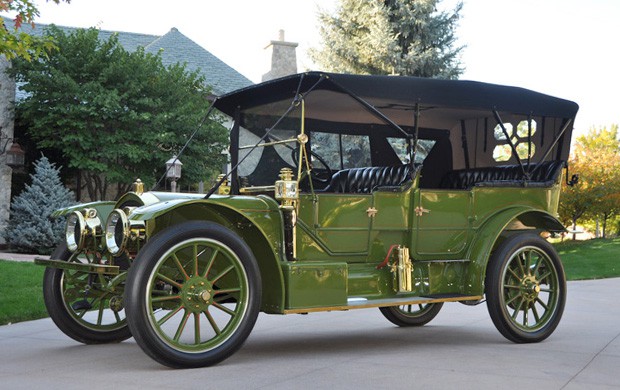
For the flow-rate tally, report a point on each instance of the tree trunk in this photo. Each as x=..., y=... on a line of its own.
x=574, y=228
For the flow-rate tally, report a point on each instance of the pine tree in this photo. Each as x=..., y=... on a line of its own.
x=30, y=228
x=404, y=37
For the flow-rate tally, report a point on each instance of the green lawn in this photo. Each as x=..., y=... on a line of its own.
x=592, y=259
x=21, y=295
x=21, y=292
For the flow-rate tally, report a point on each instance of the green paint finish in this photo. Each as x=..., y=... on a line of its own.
x=337, y=222
x=315, y=284
x=443, y=224
x=103, y=209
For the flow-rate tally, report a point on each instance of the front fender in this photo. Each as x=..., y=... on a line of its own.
x=103, y=209
x=256, y=219
x=489, y=234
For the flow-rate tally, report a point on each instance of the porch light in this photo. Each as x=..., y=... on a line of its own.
x=15, y=155
x=173, y=172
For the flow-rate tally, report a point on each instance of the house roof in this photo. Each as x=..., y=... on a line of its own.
x=175, y=48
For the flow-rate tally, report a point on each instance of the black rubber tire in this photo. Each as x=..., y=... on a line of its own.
x=409, y=317
x=144, y=273
x=523, y=288
x=58, y=309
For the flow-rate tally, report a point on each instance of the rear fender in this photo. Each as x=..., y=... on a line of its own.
x=493, y=232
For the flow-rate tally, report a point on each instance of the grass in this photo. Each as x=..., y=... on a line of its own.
x=592, y=259
x=21, y=292
x=21, y=295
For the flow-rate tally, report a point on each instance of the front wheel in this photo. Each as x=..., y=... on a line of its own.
x=86, y=307
x=193, y=295
x=411, y=315
x=525, y=288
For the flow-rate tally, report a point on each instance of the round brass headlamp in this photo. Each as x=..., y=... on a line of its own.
x=117, y=232
x=75, y=231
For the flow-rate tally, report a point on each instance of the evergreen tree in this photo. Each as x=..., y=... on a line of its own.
x=30, y=228
x=404, y=37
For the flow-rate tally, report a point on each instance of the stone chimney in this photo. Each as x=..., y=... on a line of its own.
x=283, y=58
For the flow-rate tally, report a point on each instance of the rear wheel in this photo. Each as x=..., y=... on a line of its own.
x=525, y=288
x=194, y=295
x=411, y=315
x=86, y=307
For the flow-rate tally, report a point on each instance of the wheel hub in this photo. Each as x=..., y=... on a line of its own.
x=197, y=294
x=530, y=288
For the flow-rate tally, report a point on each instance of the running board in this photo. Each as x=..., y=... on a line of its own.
x=363, y=303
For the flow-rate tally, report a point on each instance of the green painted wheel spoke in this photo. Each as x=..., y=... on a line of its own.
x=211, y=261
x=181, y=327
x=514, y=298
x=116, y=316
x=222, y=274
x=197, y=328
x=542, y=277
x=166, y=298
x=528, y=262
x=512, y=287
x=195, y=250
x=514, y=315
x=518, y=260
x=514, y=273
x=168, y=316
x=169, y=281
x=100, y=314
x=535, y=271
x=224, y=309
x=535, y=313
x=229, y=290
x=548, y=290
x=180, y=266
x=216, y=328
x=543, y=304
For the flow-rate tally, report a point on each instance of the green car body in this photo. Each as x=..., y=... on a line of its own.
x=431, y=197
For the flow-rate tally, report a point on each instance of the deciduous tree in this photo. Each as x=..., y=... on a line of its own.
x=14, y=42
x=117, y=115
x=595, y=157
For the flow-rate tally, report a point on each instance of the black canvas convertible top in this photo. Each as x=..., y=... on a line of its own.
x=390, y=91
x=468, y=111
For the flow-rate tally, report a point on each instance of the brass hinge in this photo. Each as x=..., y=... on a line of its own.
x=371, y=211
x=419, y=211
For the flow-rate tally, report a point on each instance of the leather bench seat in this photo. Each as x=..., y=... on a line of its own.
x=541, y=175
x=366, y=179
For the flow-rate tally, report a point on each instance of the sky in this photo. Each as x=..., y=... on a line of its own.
x=565, y=48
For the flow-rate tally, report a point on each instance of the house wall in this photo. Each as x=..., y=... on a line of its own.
x=7, y=97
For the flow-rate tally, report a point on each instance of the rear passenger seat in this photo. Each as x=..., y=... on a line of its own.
x=541, y=175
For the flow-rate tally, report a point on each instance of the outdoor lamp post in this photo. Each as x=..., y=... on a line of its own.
x=173, y=172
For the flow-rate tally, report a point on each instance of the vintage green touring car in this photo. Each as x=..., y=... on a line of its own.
x=345, y=192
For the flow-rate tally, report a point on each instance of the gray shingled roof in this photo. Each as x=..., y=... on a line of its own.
x=175, y=47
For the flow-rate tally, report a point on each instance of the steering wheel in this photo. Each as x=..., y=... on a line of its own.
x=324, y=174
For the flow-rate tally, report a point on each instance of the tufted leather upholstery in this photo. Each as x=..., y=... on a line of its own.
x=541, y=175
x=365, y=180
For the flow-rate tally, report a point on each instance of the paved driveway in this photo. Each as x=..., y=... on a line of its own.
x=347, y=350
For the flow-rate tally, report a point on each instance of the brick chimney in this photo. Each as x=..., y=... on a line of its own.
x=283, y=58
